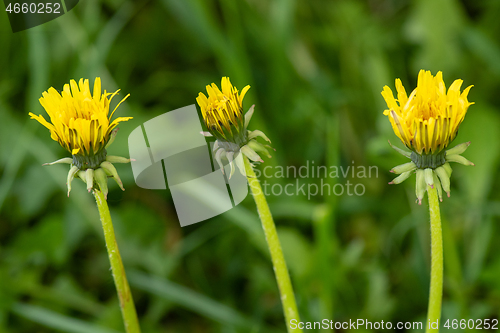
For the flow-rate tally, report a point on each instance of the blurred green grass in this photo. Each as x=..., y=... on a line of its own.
x=316, y=70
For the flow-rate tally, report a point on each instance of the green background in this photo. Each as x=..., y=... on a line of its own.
x=316, y=70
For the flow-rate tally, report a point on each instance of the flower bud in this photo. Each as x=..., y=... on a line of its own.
x=222, y=113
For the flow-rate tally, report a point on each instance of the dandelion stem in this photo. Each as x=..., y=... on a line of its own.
x=273, y=242
x=436, y=286
x=125, y=296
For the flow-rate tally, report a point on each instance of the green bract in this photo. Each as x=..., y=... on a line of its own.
x=431, y=169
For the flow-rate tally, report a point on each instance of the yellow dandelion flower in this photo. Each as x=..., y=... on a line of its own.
x=79, y=120
x=427, y=121
x=222, y=113
x=81, y=123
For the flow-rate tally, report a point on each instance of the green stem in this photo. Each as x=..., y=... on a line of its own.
x=277, y=258
x=436, y=287
x=125, y=296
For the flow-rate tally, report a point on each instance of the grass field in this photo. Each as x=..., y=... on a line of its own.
x=316, y=70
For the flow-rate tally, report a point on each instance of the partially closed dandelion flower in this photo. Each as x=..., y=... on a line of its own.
x=223, y=115
x=81, y=122
x=427, y=122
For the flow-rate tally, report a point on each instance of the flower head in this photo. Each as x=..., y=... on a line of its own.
x=222, y=113
x=81, y=123
x=427, y=122
x=80, y=120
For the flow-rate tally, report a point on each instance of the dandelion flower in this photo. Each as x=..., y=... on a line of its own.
x=222, y=113
x=427, y=122
x=80, y=121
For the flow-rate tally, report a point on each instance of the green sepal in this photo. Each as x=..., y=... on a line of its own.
x=268, y=146
x=444, y=177
x=102, y=180
x=71, y=174
x=251, y=154
x=81, y=174
x=66, y=160
x=111, y=171
x=410, y=166
x=429, y=177
x=248, y=115
x=458, y=149
x=257, y=133
x=89, y=178
x=459, y=159
x=401, y=151
x=258, y=147
x=229, y=156
x=241, y=121
x=448, y=169
x=218, y=157
x=112, y=137
x=240, y=163
x=217, y=134
x=227, y=134
x=402, y=177
x=421, y=186
x=117, y=159
x=438, y=187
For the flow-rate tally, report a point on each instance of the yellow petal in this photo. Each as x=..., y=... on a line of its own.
x=400, y=129
x=243, y=93
x=402, y=96
x=116, y=107
x=74, y=88
x=97, y=89
x=389, y=99
x=118, y=120
x=202, y=102
x=226, y=86
x=42, y=121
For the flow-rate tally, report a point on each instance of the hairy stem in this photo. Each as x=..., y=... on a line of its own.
x=277, y=258
x=436, y=286
x=125, y=296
